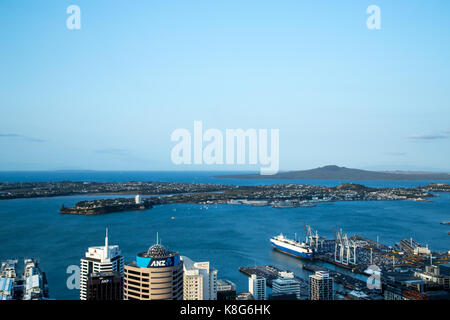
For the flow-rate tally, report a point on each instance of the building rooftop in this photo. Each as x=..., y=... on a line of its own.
x=156, y=256
x=284, y=281
x=358, y=294
x=245, y=296
x=223, y=282
x=157, y=251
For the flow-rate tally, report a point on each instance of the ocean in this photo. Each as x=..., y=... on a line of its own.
x=229, y=236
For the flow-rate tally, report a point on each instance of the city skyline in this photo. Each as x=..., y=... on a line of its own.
x=108, y=96
x=104, y=276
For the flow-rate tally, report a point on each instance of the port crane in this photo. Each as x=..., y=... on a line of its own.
x=312, y=238
x=344, y=249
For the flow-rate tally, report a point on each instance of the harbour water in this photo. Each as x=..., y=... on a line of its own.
x=229, y=236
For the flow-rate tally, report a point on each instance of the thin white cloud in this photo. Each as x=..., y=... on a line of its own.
x=429, y=137
x=19, y=136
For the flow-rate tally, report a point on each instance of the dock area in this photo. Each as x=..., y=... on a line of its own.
x=345, y=280
x=356, y=258
x=408, y=253
x=271, y=273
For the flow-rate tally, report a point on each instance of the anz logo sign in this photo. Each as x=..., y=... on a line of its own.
x=158, y=263
x=162, y=262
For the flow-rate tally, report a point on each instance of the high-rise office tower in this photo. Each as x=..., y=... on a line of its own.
x=321, y=286
x=157, y=274
x=200, y=281
x=286, y=285
x=99, y=259
x=105, y=286
x=257, y=287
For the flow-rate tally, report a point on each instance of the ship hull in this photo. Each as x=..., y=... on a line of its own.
x=291, y=251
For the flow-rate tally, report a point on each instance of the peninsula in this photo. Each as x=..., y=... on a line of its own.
x=18, y=190
x=162, y=193
x=277, y=196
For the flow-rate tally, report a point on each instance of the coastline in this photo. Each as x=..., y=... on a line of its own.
x=276, y=196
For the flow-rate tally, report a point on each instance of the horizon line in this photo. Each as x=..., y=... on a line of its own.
x=218, y=170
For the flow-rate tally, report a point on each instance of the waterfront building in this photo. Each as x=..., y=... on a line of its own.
x=286, y=285
x=29, y=285
x=411, y=288
x=412, y=246
x=157, y=274
x=8, y=269
x=97, y=260
x=257, y=287
x=35, y=282
x=321, y=286
x=138, y=199
x=6, y=288
x=7, y=279
x=226, y=290
x=105, y=286
x=199, y=280
x=439, y=275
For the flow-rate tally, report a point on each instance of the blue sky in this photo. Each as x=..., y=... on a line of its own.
x=108, y=96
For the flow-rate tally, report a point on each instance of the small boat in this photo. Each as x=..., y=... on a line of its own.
x=173, y=218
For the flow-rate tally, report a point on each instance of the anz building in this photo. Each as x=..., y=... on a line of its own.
x=155, y=275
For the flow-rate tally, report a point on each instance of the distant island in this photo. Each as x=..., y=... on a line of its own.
x=333, y=172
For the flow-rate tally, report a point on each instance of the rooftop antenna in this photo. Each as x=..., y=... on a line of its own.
x=106, y=238
x=106, y=243
x=157, y=240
